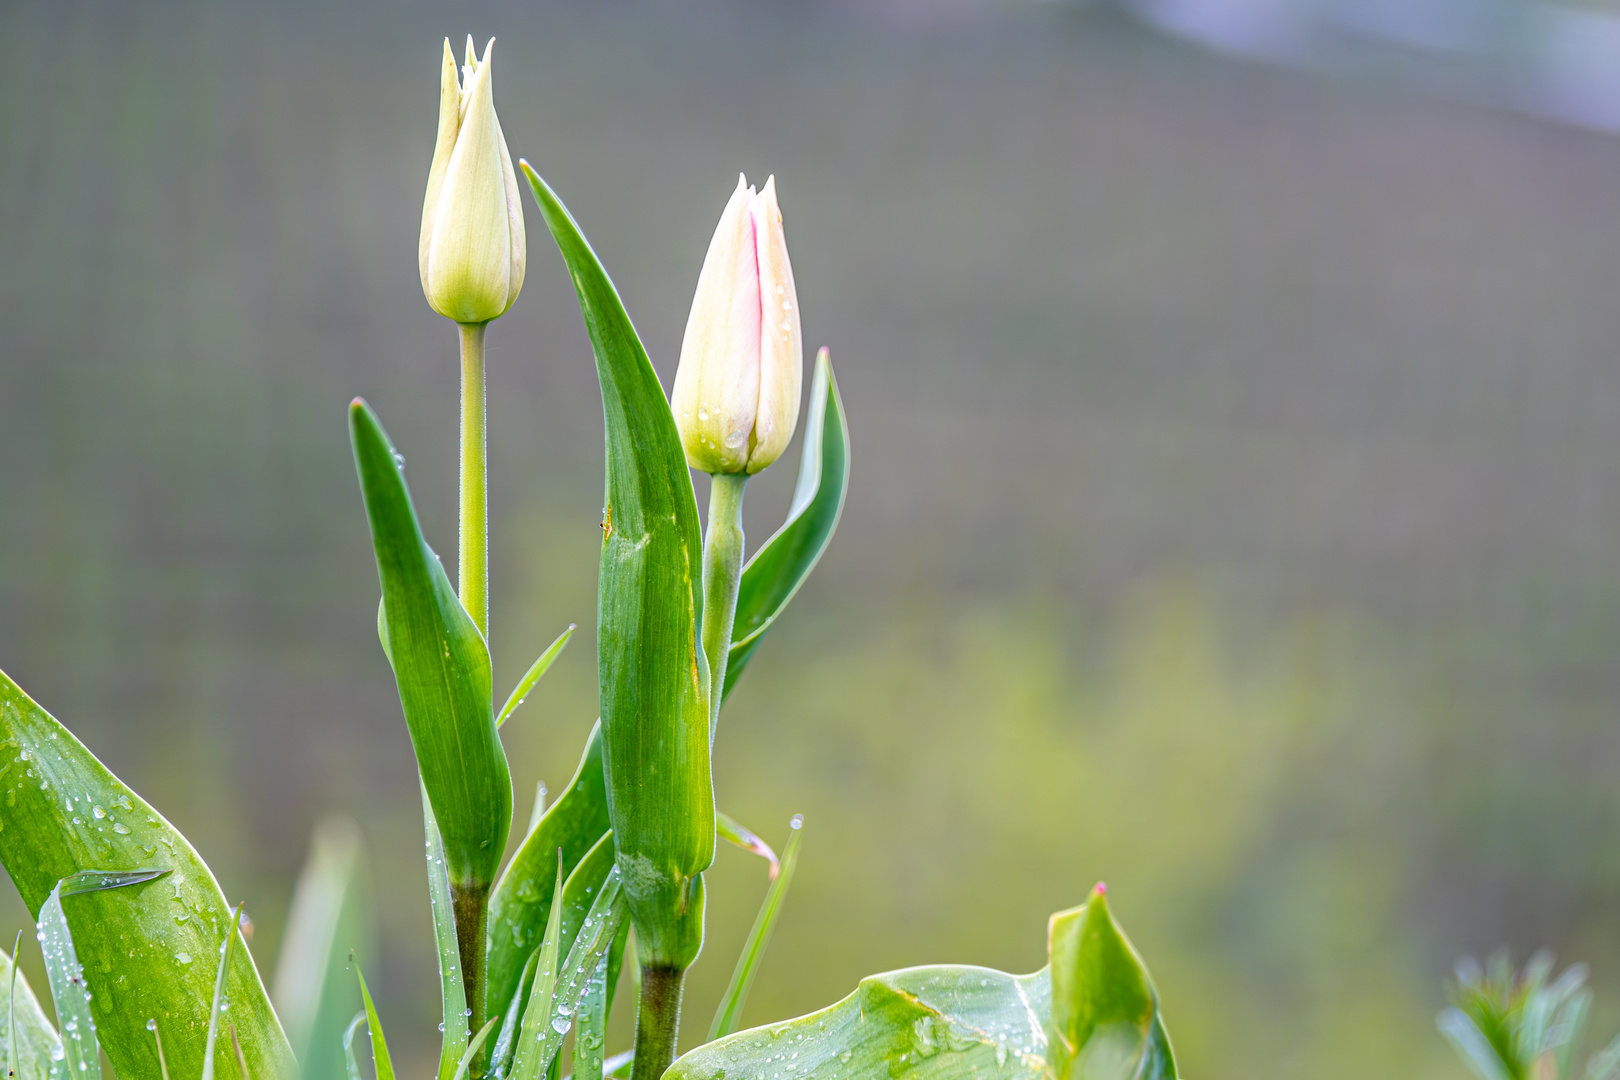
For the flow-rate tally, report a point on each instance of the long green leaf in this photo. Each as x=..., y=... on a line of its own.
x=651, y=669
x=555, y=1002
x=533, y=675
x=501, y=1056
x=441, y=665
x=742, y=977
x=69, y=992
x=32, y=1045
x=145, y=948
x=776, y=571
x=351, y=1066
x=472, y=1047
x=735, y=832
x=329, y=922
x=382, y=1063
x=452, y=994
x=529, y=1061
x=521, y=902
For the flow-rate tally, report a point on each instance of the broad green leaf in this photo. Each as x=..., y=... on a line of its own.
x=330, y=921
x=777, y=569
x=226, y=948
x=70, y=994
x=32, y=1044
x=521, y=902
x=651, y=669
x=532, y=676
x=742, y=977
x=930, y=1023
x=452, y=995
x=145, y=948
x=950, y=1022
x=381, y=1062
x=735, y=832
x=441, y=665
x=1105, y=1011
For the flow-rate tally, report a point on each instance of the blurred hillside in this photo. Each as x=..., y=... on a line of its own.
x=1234, y=512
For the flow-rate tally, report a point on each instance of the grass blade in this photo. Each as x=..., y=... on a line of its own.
x=163, y=1062
x=381, y=1062
x=501, y=1056
x=226, y=947
x=451, y=994
x=32, y=1045
x=532, y=676
x=591, y=1037
x=69, y=992
x=472, y=1047
x=742, y=978
x=530, y=1061
x=330, y=921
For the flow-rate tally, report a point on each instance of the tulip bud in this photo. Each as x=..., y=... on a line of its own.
x=736, y=396
x=472, y=247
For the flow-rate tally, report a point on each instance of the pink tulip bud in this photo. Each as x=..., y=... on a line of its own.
x=736, y=398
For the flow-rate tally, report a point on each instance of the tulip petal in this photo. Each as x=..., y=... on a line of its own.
x=444, y=145
x=781, y=343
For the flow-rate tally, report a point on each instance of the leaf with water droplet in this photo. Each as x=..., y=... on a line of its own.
x=125, y=936
x=729, y=1013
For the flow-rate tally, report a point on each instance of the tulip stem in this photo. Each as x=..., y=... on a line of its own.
x=722, y=570
x=473, y=575
x=658, y=1020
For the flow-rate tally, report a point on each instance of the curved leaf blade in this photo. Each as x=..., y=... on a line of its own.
x=521, y=902
x=777, y=570
x=652, y=673
x=145, y=947
x=452, y=994
x=71, y=995
x=536, y=670
x=742, y=977
x=441, y=665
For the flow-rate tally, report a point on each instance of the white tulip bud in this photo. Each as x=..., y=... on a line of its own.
x=736, y=397
x=472, y=249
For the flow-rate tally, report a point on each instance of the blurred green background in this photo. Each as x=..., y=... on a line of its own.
x=1235, y=513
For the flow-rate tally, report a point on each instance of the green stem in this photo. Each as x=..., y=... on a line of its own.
x=473, y=575
x=658, y=1020
x=722, y=569
x=472, y=904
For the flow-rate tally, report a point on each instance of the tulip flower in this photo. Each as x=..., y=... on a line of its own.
x=736, y=397
x=471, y=251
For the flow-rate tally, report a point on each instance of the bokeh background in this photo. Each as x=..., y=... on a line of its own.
x=1236, y=500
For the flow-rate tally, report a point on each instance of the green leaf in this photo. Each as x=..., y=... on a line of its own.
x=226, y=948
x=146, y=947
x=549, y=1016
x=521, y=902
x=472, y=1047
x=352, y=1066
x=70, y=994
x=742, y=977
x=652, y=672
x=1105, y=1011
x=501, y=1056
x=31, y=1042
x=930, y=1023
x=441, y=665
x=776, y=571
x=530, y=1060
x=532, y=676
x=381, y=1062
x=950, y=1022
x=452, y=995
x=330, y=921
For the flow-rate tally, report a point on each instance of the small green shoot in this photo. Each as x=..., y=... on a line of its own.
x=742, y=978
x=521, y=692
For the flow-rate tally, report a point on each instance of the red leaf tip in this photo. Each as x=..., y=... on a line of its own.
x=1100, y=888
